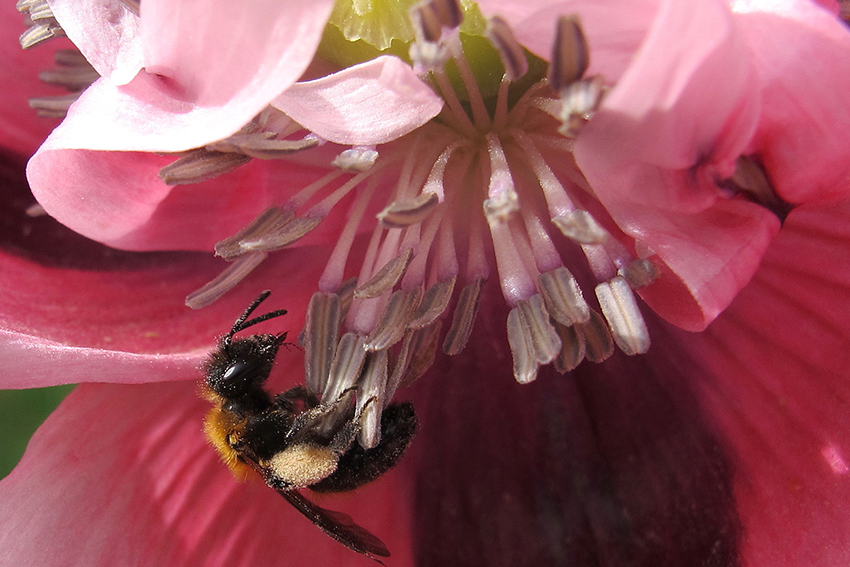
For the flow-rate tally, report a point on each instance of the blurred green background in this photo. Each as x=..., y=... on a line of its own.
x=21, y=412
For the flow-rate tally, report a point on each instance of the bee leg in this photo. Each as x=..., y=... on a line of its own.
x=359, y=466
x=296, y=400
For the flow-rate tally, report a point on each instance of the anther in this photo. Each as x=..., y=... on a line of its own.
x=346, y=366
x=53, y=106
x=355, y=160
x=463, y=318
x=579, y=101
x=433, y=304
x=200, y=165
x=321, y=331
x=133, y=5
x=401, y=214
x=371, y=395
x=281, y=237
x=386, y=278
x=598, y=344
x=39, y=33
x=563, y=297
x=623, y=315
x=226, y=280
x=532, y=338
x=393, y=321
x=262, y=145
x=269, y=220
x=640, y=273
x=751, y=181
x=572, y=348
x=580, y=226
x=71, y=77
x=570, y=55
x=510, y=51
x=423, y=351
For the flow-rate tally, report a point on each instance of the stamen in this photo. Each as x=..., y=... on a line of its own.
x=563, y=297
x=448, y=12
x=133, y=5
x=71, y=77
x=580, y=226
x=433, y=304
x=532, y=338
x=39, y=33
x=40, y=11
x=579, y=102
x=510, y=51
x=334, y=270
x=401, y=214
x=623, y=316
x=345, y=368
x=572, y=348
x=53, y=106
x=262, y=145
x=371, y=398
x=540, y=334
x=558, y=200
x=394, y=319
x=226, y=280
x=640, y=273
x=357, y=159
x=463, y=318
x=570, y=55
x=35, y=210
x=386, y=278
x=525, y=367
x=435, y=183
x=423, y=349
x=200, y=165
x=479, y=111
x=750, y=180
x=321, y=331
x=457, y=115
x=598, y=344
x=282, y=236
x=271, y=219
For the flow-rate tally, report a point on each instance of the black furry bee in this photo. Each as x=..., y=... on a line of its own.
x=294, y=440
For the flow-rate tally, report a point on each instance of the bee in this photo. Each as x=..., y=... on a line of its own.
x=294, y=440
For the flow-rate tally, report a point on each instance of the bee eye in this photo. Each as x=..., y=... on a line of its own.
x=238, y=378
x=238, y=370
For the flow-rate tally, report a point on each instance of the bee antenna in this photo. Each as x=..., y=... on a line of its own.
x=242, y=322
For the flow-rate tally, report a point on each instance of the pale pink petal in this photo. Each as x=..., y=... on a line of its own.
x=239, y=54
x=675, y=123
x=107, y=32
x=776, y=384
x=614, y=30
x=22, y=129
x=122, y=474
x=802, y=137
x=371, y=103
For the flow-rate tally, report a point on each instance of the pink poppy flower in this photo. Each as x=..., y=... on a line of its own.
x=724, y=447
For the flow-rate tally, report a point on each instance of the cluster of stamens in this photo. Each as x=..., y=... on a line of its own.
x=479, y=168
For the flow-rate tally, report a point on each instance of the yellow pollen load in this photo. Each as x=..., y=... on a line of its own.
x=302, y=465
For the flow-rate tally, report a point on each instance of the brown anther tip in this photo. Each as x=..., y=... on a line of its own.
x=448, y=12
x=570, y=54
x=510, y=51
x=427, y=22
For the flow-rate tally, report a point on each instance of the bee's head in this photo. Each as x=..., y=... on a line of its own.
x=240, y=365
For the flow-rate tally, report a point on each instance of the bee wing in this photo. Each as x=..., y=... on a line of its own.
x=339, y=526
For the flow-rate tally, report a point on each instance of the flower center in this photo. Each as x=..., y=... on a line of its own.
x=490, y=178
